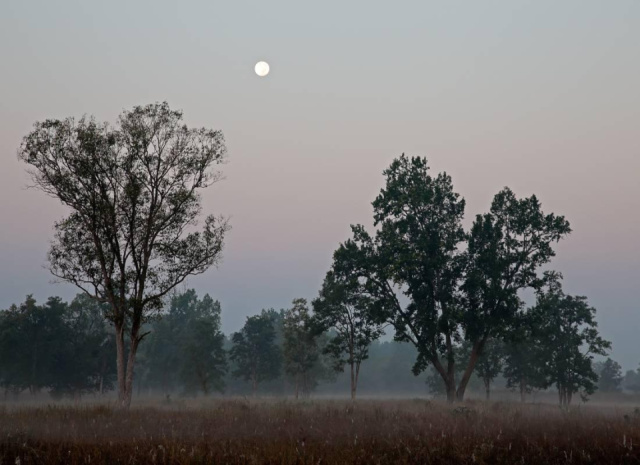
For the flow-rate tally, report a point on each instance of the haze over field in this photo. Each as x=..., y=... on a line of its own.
x=540, y=96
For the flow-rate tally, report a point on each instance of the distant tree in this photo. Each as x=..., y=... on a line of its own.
x=186, y=346
x=524, y=362
x=29, y=344
x=490, y=363
x=389, y=370
x=158, y=356
x=254, y=352
x=631, y=381
x=55, y=346
x=343, y=308
x=609, y=376
x=86, y=352
x=301, y=350
x=203, y=359
x=133, y=191
x=436, y=284
x=568, y=338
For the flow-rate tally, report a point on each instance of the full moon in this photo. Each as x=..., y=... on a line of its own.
x=262, y=68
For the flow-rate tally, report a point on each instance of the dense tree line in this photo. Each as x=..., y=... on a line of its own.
x=67, y=349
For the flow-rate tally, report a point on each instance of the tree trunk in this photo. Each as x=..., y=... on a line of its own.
x=487, y=388
x=254, y=385
x=473, y=359
x=353, y=382
x=450, y=381
x=34, y=370
x=448, y=377
x=131, y=360
x=450, y=384
x=355, y=387
x=103, y=369
x=564, y=396
x=120, y=364
x=523, y=389
x=297, y=385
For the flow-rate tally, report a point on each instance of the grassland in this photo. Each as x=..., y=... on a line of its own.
x=244, y=431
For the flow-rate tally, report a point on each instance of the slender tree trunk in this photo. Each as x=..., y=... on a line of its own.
x=353, y=382
x=34, y=368
x=355, y=387
x=120, y=363
x=564, y=396
x=254, y=385
x=103, y=369
x=165, y=384
x=487, y=388
x=523, y=389
x=297, y=385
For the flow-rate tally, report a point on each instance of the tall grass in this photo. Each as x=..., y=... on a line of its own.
x=322, y=431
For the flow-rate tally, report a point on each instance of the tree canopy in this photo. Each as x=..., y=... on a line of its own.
x=567, y=339
x=343, y=308
x=436, y=284
x=256, y=356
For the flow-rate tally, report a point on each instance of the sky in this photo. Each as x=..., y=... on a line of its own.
x=541, y=96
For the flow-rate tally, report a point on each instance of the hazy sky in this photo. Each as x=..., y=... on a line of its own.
x=542, y=96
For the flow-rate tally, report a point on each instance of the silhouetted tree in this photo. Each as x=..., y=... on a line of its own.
x=29, y=349
x=186, y=346
x=609, y=375
x=56, y=346
x=86, y=360
x=524, y=363
x=254, y=351
x=133, y=191
x=418, y=256
x=343, y=307
x=490, y=363
x=301, y=350
x=568, y=338
x=202, y=356
x=631, y=381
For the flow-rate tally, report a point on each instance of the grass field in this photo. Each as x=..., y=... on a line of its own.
x=319, y=432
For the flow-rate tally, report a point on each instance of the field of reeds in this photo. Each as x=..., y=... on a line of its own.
x=244, y=431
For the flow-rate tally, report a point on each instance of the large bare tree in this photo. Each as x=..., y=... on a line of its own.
x=133, y=192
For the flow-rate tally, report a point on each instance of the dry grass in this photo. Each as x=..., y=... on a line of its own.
x=321, y=431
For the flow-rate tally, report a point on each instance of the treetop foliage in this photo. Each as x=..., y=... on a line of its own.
x=133, y=190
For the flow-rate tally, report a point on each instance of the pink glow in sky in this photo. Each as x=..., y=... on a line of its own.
x=540, y=96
